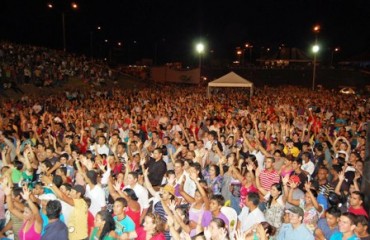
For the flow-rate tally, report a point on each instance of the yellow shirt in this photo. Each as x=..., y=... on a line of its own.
x=77, y=224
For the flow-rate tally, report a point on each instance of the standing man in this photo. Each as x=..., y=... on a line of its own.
x=56, y=229
x=157, y=168
x=77, y=223
x=269, y=175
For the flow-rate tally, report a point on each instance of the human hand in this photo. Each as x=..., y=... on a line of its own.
x=285, y=180
x=341, y=176
x=293, y=185
x=26, y=193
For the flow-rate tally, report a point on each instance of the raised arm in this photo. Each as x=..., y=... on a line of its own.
x=290, y=194
x=35, y=211
x=316, y=205
x=147, y=183
x=48, y=181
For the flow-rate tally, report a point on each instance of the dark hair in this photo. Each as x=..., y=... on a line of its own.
x=351, y=217
x=88, y=201
x=93, y=176
x=63, y=170
x=334, y=211
x=135, y=175
x=219, y=198
x=131, y=194
x=298, y=161
x=217, y=169
x=122, y=201
x=47, y=164
x=269, y=229
x=58, y=181
x=197, y=167
x=109, y=224
x=53, y=209
x=360, y=194
x=184, y=211
x=278, y=187
x=18, y=165
x=363, y=220
x=254, y=198
x=67, y=186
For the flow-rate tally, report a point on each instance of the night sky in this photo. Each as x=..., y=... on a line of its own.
x=167, y=30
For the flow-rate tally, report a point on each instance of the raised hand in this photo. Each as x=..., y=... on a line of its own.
x=26, y=193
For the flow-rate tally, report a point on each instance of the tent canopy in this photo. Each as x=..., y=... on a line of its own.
x=231, y=80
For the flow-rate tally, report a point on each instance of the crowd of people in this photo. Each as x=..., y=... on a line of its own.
x=43, y=67
x=166, y=162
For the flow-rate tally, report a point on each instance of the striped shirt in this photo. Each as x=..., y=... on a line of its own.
x=267, y=178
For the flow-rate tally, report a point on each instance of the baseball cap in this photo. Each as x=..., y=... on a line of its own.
x=80, y=189
x=296, y=210
x=169, y=189
x=47, y=197
x=295, y=179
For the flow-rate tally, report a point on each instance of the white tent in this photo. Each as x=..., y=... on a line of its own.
x=230, y=80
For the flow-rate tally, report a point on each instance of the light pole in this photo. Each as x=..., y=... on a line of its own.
x=239, y=53
x=249, y=46
x=315, y=50
x=98, y=28
x=200, y=49
x=74, y=6
x=332, y=55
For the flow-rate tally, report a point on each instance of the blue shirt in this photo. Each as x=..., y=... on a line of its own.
x=55, y=231
x=45, y=221
x=324, y=227
x=287, y=232
x=339, y=236
x=126, y=225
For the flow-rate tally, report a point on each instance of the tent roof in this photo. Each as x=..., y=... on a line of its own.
x=230, y=80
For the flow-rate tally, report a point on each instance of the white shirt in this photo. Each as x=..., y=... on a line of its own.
x=308, y=167
x=248, y=219
x=66, y=210
x=260, y=159
x=97, y=196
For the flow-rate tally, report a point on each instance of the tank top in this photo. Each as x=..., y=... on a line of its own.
x=194, y=215
x=135, y=216
x=30, y=234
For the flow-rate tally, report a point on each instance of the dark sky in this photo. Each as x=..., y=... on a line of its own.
x=171, y=28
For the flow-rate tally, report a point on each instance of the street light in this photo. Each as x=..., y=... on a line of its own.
x=200, y=49
x=315, y=50
x=248, y=46
x=73, y=6
x=332, y=55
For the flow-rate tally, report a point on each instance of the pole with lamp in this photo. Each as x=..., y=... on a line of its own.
x=200, y=50
x=74, y=6
x=332, y=55
x=315, y=50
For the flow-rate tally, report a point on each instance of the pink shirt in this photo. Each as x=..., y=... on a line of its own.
x=30, y=234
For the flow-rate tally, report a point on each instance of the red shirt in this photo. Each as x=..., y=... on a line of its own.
x=358, y=211
x=141, y=235
x=90, y=222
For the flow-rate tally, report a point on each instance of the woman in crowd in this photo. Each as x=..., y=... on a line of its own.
x=32, y=221
x=104, y=227
x=153, y=228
